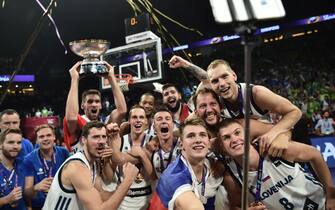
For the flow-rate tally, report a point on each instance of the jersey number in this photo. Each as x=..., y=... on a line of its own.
x=286, y=204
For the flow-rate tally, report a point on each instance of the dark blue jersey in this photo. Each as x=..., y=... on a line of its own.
x=35, y=165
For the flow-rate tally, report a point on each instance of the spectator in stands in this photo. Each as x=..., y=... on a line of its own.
x=325, y=125
x=38, y=113
x=44, y=112
x=10, y=118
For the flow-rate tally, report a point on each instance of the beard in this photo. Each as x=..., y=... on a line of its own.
x=9, y=156
x=174, y=109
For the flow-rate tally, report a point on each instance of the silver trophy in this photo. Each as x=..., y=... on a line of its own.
x=91, y=50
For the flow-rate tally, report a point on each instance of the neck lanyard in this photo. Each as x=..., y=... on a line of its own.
x=203, y=181
x=259, y=178
x=203, y=178
x=131, y=141
x=8, y=181
x=161, y=158
x=44, y=163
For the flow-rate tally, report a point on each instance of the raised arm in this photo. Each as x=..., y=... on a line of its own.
x=188, y=201
x=72, y=104
x=89, y=195
x=120, y=103
x=305, y=153
x=268, y=100
x=199, y=73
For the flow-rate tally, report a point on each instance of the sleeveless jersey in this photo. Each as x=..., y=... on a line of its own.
x=150, y=130
x=62, y=197
x=139, y=194
x=161, y=160
x=255, y=111
x=285, y=185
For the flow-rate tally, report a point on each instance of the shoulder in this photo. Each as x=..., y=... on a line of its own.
x=257, y=89
x=62, y=150
x=31, y=156
x=75, y=166
x=27, y=143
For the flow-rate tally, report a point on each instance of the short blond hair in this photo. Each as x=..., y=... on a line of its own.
x=218, y=62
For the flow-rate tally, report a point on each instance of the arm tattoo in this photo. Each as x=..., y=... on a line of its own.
x=198, y=72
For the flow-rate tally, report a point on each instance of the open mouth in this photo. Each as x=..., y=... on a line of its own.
x=198, y=147
x=237, y=146
x=100, y=149
x=210, y=116
x=172, y=100
x=138, y=125
x=164, y=130
x=224, y=90
x=94, y=111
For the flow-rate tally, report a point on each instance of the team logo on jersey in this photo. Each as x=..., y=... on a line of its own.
x=310, y=205
x=40, y=171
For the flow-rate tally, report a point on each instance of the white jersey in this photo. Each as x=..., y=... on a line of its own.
x=161, y=160
x=140, y=191
x=285, y=185
x=150, y=130
x=62, y=197
x=255, y=111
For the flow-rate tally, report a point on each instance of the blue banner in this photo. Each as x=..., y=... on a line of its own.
x=326, y=145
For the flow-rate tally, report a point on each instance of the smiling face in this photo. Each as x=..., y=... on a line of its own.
x=208, y=108
x=45, y=137
x=171, y=98
x=223, y=81
x=232, y=139
x=148, y=102
x=92, y=106
x=195, y=142
x=137, y=121
x=163, y=125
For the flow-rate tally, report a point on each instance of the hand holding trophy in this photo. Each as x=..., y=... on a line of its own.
x=91, y=50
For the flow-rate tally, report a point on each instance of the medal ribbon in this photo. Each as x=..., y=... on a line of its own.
x=131, y=141
x=160, y=153
x=8, y=181
x=44, y=163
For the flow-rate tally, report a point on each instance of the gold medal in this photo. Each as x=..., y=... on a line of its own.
x=139, y=178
